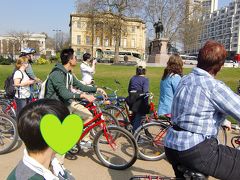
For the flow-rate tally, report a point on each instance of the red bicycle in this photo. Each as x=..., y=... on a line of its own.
x=9, y=106
x=114, y=146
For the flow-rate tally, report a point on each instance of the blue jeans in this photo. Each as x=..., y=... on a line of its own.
x=20, y=104
x=137, y=121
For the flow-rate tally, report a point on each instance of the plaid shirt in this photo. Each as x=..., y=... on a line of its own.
x=200, y=105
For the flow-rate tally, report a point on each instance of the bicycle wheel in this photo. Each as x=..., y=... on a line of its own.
x=121, y=150
x=8, y=133
x=119, y=114
x=109, y=120
x=6, y=108
x=150, y=140
x=222, y=136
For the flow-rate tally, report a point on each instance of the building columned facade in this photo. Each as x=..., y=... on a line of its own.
x=96, y=35
x=12, y=44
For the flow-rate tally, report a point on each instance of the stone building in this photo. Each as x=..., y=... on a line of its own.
x=12, y=44
x=93, y=35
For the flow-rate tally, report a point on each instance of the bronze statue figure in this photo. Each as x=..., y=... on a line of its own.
x=158, y=28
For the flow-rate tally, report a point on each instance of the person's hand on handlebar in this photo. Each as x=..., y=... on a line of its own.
x=101, y=91
x=88, y=97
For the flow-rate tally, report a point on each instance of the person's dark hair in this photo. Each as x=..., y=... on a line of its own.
x=211, y=57
x=66, y=55
x=28, y=122
x=86, y=56
x=174, y=66
x=140, y=71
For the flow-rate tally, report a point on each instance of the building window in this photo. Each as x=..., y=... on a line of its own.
x=79, y=24
x=133, y=43
x=133, y=29
x=124, y=42
x=78, y=39
x=106, y=42
x=98, y=41
x=88, y=40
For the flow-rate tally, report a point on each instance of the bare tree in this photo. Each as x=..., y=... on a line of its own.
x=192, y=26
x=172, y=13
x=50, y=43
x=19, y=38
x=62, y=40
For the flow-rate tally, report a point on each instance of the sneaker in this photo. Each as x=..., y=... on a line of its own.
x=86, y=144
x=70, y=156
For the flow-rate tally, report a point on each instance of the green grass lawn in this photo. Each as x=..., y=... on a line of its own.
x=105, y=75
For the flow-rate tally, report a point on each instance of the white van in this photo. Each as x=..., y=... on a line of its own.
x=129, y=57
x=191, y=60
x=124, y=56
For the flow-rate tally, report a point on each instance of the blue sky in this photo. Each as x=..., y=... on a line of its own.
x=35, y=15
x=40, y=15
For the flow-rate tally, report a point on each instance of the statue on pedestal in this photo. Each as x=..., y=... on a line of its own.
x=158, y=29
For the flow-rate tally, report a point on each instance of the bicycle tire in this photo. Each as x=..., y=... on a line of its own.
x=222, y=136
x=109, y=120
x=126, y=148
x=118, y=114
x=150, y=140
x=3, y=108
x=9, y=123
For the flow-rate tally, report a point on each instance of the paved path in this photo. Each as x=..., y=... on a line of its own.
x=88, y=167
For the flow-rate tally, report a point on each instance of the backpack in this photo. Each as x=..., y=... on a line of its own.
x=43, y=86
x=9, y=87
x=43, y=89
x=137, y=103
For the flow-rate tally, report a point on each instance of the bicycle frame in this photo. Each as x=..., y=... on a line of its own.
x=95, y=122
x=12, y=102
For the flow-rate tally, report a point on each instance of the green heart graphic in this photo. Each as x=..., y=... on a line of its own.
x=61, y=137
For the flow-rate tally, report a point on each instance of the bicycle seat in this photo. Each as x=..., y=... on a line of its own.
x=191, y=174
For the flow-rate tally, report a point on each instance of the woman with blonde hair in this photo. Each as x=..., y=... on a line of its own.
x=170, y=79
x=22, y=83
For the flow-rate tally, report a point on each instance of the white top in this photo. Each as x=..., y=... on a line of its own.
x=41, y=170
x=87, y=72
x=24, y=91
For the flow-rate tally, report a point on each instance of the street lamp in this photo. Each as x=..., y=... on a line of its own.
x=56, y=38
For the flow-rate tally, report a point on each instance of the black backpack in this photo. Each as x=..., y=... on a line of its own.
x=9, y=85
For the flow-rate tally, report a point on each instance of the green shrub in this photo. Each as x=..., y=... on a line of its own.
x=42, y=61
x=5, y=61
x=43, y=56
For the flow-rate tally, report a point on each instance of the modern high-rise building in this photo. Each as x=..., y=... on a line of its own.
x=221, y=25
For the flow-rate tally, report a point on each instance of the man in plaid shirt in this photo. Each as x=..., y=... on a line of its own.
x=200, y=106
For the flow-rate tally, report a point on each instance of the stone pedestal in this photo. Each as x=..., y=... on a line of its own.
x=159, y=52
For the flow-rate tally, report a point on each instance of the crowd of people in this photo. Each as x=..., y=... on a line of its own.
x=197, y=102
